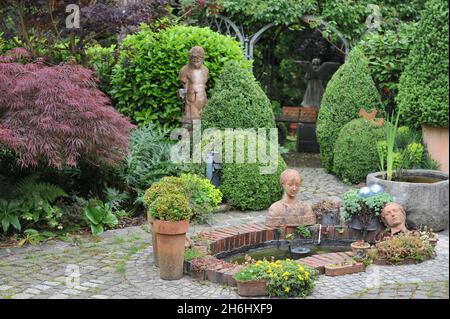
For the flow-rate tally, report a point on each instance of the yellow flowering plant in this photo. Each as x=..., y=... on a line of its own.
x=286, y=278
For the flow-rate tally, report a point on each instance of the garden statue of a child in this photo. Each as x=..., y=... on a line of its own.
x=289, y=211
x=394, y=216
x=194, y=76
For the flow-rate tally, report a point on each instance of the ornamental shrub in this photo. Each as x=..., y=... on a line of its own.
x=203, y=197
x=350, y=89
x=237, y=101
x=424, y=87
x=148, y=160
x=244, y=184
x=55, y=115
x=145, y=81
x=171, y=207
x=355, y=151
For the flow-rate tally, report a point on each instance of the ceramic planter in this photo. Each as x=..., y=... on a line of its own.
x=360, y=249
x=252, y=288
x=426, y=204
x=436, y=139
x=170, y=238
x=154, y=243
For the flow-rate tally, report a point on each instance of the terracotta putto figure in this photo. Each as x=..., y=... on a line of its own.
x=394, y=216
x=194, y=76
x=289, y=211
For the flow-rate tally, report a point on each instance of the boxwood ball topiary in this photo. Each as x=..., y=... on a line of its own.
x=237, y=101
x=355, y=150
x=350, y=89
x=145, y=81
x=424, y=87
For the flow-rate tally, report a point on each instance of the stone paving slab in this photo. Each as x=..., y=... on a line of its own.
x=120, y=264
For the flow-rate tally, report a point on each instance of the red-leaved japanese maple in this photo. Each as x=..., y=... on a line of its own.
x=56, y=115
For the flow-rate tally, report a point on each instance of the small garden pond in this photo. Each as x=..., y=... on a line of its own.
x=282, y=253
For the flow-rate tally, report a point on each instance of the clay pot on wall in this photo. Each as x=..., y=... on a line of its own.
x=360, y=248
x=170, y=238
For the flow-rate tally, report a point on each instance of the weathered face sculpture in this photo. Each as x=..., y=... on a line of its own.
x=196, y=57
x=291, y=180
x=393, y=215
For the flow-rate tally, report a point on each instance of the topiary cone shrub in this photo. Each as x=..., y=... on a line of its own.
x=237, y=101
x=424, y=86
x=350, y=89
x=355, y=151
x=55, y=115
x=145, y=81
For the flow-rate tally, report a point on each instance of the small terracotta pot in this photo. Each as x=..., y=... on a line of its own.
x=252, y=288
x=360, y=250
x=154, y=243
x=170, y=238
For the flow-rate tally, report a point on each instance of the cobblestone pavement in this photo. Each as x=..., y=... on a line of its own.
x=120, y=265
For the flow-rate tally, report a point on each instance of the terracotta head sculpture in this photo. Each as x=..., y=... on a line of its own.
x=290, y=180
x=394, y=216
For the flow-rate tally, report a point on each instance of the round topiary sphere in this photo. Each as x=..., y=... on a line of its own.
x=355, y=151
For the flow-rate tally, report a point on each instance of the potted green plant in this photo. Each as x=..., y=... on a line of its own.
x=252, y=280
x=362, y=209
x=171, y=214
x=327, y=212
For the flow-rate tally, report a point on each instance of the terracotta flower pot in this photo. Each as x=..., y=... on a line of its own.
x=360, y=249
x=154, y=243
x=252, y=288
x=170, y=237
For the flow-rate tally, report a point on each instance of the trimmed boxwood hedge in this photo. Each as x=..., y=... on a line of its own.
x=350, y=89
x=355, y=151
x=424, y=87
x=237, y=101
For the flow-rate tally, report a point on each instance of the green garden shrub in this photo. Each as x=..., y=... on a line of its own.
x=350, y=89
x=245, y=187
x=424, y=87
x=355, y=151
x=237, y=101
x=145, y=80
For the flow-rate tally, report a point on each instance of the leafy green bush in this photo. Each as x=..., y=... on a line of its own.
x=146, y=79
x=148, y=160
x=203, y=197
x=246, y=188
x=424, y=87
x=171, y=207
x=350, y=89
x=387, y=53
x=355, y=204
x=237, y=101
x=355, y=151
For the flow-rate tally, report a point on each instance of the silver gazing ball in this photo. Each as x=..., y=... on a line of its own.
x=376, y=189
x=364, y=192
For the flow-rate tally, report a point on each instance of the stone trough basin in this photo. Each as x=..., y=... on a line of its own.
x=424, y=195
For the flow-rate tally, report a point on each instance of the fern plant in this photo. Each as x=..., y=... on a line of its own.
x=27, y=201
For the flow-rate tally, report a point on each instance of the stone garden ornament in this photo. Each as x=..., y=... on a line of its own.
x=194, y=76
x=315, y=74
x=289, y=211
